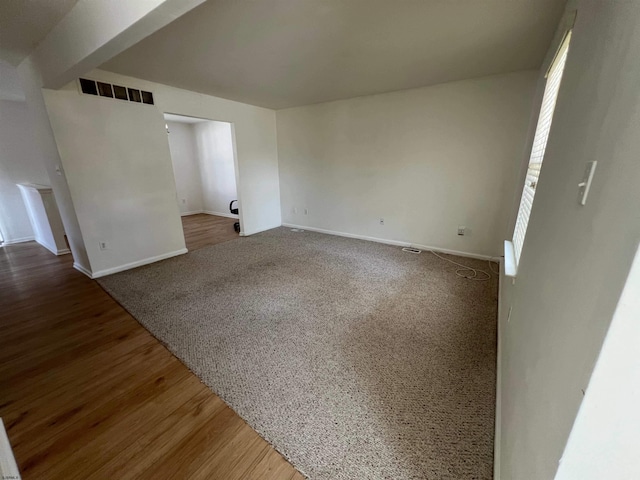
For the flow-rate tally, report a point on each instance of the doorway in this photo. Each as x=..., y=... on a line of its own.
x=204, y=166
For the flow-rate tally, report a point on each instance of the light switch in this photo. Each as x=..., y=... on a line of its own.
x=585, y=185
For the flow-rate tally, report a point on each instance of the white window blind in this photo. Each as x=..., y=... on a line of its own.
x=543, y=127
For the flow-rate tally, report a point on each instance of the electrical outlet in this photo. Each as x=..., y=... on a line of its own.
x=461, y=230
x=103, y=245
x=382, y=221
x=306, y=211
x=184, y=201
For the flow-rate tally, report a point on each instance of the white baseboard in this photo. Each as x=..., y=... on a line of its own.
x=194, y=212
x=54, y=249
x=18, y=240
x=209, y=212
x=139, y=263
x=220, y=214
x=81, y=269
x=391, y=242
x=129, y=266
x=253, y=232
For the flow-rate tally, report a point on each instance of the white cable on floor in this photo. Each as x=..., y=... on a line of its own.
x=463, y=268
x=491, y=268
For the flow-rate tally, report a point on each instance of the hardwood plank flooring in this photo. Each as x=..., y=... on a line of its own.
x=202, y=230
x=88, y=393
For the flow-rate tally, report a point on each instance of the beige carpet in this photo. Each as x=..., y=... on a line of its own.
x=354, y=359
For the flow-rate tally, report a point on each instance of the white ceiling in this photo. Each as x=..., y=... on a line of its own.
x=25, y=23
x=282, y=53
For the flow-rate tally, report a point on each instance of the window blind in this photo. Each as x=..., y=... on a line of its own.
x=543, y=127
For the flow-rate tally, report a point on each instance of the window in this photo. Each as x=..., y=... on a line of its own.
x=554, y=77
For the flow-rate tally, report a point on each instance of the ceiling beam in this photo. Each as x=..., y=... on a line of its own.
x=96, y=30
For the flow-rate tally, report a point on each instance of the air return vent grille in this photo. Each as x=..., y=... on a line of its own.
x=91, y=87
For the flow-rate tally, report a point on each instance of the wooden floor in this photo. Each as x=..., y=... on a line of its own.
x=87, y=393
x=201, y=230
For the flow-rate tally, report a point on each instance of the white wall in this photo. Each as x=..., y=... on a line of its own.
x=19, y=163
x=47, y=152
x=604, y=439
x=45, y=217
x=256, y=147
x=575, y=258
x=118, y=167
x=214, y=142
x=10, y=83
x=89, y=35
x=203, y=164
x=186, y=167
x=426, y=160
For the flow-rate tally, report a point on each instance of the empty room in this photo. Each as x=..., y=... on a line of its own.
x=323, y=239
x=203, y=159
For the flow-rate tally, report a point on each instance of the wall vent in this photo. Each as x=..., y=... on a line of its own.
x=102, y=89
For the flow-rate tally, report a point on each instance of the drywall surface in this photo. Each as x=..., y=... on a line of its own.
x=214, y=142
x=47, y=152
x=604, y=439
x=93, y=31
x=10, y=88
x=425, y=160
x=118, y=167
x=255, y=142
x=186, y=167
x=575, y=258
x=203, y=165
x=19, y=163
x=44, y=216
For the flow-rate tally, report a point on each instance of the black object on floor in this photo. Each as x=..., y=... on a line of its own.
x=236, y=226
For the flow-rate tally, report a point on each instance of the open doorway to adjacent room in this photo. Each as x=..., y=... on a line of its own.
x=204, y=166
